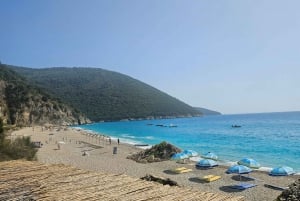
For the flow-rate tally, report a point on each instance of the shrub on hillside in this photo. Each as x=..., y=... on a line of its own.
x=20, y=148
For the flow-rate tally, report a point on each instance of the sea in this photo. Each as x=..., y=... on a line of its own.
x=272, y=139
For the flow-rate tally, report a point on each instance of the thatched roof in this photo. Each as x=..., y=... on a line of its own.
x=23, y=180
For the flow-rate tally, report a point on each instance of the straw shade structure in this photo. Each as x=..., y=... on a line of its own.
x=24, y=180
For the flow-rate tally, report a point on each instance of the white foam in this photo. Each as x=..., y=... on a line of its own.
x=128, y=136
x=264, y=169
x=77, y=128
x=145, y=147
x=195, y=158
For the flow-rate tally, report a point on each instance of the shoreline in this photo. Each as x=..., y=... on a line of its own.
x=225, y=163
x=73, y=143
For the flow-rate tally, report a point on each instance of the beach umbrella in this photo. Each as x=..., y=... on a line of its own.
x=210, y=155
x=239, y=169
x=206, y=163
x=190, y=153
x=282, y=171
x=179, y=156
x=249, y=162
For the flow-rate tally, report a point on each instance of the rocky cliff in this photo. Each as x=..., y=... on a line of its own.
x=22, y=104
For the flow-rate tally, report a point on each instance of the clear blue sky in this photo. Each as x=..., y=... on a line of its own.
x=230, y=55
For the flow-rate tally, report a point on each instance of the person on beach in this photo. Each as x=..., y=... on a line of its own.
x=109, y=140
x=118, y=141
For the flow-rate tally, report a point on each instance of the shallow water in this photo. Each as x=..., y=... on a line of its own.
x=270, y=138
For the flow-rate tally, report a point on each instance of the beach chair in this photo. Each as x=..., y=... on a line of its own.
x=251, y=178
x=210, y=178
x=280, y=188
x=243, y=186
x=181, y=170
x=185, y=171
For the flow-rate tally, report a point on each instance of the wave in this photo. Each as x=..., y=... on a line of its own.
x=128, y=136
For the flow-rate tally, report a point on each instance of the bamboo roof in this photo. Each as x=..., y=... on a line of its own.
x=25, y=180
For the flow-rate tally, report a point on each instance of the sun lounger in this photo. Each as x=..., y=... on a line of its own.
x=210, y=178
x=181, y=170
x=186, y=170
x=251, y=178
x=280, y=188
x=243, y=186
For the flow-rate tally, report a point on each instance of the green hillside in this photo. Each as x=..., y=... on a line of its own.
x=22, y=104
x=106, y=95
x=207, y=112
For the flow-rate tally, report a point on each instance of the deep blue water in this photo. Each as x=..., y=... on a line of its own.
x=273, y=139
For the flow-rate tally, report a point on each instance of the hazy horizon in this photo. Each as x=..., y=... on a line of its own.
x=234, y=57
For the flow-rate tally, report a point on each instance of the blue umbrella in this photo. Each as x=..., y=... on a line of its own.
x=210, y=155
x=179, y=156
x=207, y=163
x=249, y=162
x=239, y=169
x=282, y=171
x=190, y=153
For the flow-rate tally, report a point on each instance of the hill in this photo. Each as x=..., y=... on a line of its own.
x=105, y=95
x=22, y=104
x=207, y=111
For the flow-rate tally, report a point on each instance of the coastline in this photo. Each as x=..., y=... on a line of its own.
x=74, y=142
x=225, y=163
x=270, y=139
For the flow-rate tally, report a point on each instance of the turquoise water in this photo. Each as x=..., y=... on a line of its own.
x=273, y=139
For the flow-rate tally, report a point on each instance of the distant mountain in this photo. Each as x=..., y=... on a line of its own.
x=105, y=95
x=207, y=111
x=22, y=104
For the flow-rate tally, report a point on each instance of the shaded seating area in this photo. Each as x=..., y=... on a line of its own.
x=241, y=170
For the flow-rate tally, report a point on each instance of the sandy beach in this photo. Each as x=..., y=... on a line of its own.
x=68, y=145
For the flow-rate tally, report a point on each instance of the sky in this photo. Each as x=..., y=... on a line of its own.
x=232, y=56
